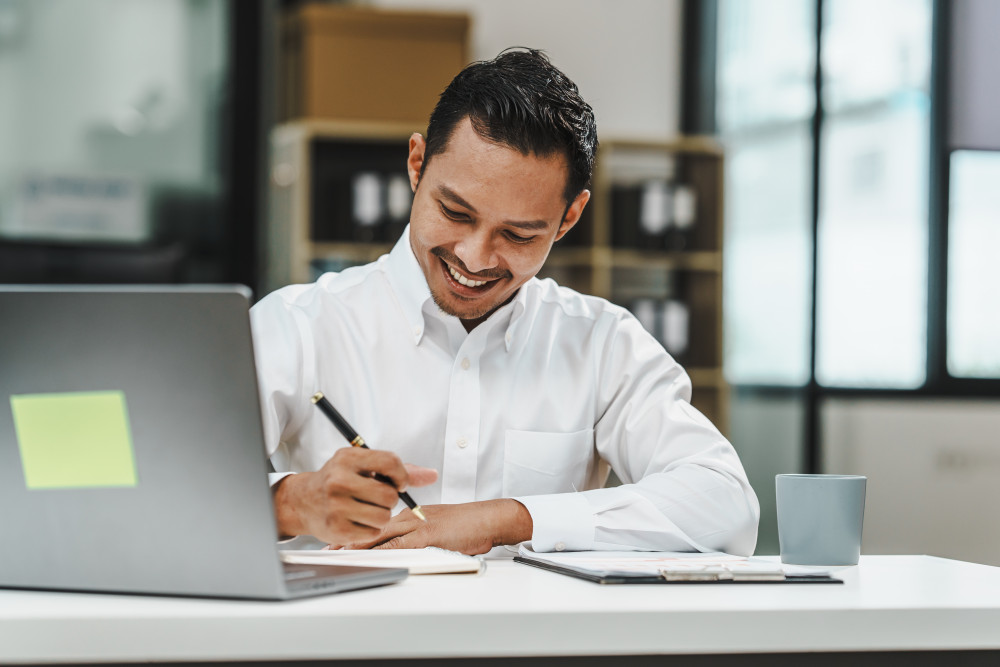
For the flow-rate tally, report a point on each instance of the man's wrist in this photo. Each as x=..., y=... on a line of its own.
x=515, y=524
x=285, y=510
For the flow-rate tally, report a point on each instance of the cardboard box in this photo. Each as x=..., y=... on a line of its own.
x=353, y=63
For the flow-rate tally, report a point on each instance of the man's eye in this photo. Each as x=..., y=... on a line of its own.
x=517, y=238
x=454, y=215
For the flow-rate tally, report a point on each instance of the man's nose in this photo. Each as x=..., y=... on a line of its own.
x=476, y=251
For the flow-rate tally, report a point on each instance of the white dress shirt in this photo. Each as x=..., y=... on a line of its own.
x=532, y=404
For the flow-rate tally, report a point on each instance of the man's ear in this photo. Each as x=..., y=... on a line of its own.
x=573, y=213
x=415, y=160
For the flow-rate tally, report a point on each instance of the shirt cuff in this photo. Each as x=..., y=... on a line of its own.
x=561, y=522
x=275, y=477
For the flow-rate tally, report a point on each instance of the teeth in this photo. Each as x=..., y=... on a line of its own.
x=465, y=281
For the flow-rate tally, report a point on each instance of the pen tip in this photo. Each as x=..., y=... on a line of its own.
x=317, y=396
x=419, y=513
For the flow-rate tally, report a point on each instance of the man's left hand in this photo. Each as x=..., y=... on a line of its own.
x=470, y=528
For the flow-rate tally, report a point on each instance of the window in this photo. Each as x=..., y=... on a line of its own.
x=873, y=194
x=765, y=105
x=973, y=271
x=129, y=140
x=862, y=186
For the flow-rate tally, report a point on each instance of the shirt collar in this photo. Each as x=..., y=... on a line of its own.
x=410, y=288
x=408, y=284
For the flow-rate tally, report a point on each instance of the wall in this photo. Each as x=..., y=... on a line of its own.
x=932, y=468
x=974, y=97
x=624, y=55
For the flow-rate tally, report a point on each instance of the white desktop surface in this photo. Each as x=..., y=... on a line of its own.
x=887, y=603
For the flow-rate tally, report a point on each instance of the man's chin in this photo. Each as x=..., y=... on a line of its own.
x=462, y=310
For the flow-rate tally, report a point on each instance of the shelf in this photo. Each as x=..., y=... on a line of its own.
x=358, y=130
x=692, y=144
x=640, y=259
x=706, y=377
x=568, y=258
x=351, y=252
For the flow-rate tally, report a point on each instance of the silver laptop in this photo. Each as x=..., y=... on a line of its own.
x=131, y=450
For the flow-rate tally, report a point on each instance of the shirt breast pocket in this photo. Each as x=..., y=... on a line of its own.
x=537, y=462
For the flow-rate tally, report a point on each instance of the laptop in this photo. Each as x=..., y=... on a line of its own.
x=132, y=456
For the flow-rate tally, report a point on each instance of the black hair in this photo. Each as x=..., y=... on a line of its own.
x=520, y=100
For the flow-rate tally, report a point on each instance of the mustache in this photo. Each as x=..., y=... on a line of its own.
x=451, y=258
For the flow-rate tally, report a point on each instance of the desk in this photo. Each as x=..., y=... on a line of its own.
x=888, y=603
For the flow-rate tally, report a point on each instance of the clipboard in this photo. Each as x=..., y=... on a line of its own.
x=661, y=567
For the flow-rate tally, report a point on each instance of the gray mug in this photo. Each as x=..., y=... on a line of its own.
x=820, y=518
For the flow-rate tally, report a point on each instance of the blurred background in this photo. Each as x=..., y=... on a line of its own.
x=800, y=198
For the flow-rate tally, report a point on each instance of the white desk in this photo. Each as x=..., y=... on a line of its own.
x=888, y=603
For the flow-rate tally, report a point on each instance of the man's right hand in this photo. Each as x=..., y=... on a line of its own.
x=341, y=503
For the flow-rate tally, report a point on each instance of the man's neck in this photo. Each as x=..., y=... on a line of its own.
x=473, y=323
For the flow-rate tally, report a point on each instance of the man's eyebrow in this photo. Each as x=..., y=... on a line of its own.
x=530, y=225
x=448, y=193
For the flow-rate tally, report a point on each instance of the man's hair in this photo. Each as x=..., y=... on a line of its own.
x=520, y=100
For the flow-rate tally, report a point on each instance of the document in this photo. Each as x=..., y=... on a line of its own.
x=429, y=560
x=659, y=567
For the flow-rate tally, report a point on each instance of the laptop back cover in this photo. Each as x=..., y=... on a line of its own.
x=131, y=450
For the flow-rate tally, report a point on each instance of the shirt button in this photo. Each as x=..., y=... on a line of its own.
x=507, y=337
x=560, y=546
x=465, y=364
x=462, y=443
x=416, y=331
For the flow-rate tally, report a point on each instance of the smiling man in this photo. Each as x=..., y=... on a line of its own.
x=512, y=395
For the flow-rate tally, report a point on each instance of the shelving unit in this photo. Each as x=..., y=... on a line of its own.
x=300, y=246
x=593, y=264
x=293, y=246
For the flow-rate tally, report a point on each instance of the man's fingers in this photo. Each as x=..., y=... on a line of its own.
x=372, y=516
x=372, y=492
x=420, y=476
x=367, y=461
x=357, y=532
x=398, y=542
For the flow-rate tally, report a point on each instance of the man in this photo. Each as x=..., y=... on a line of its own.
x=450, y=354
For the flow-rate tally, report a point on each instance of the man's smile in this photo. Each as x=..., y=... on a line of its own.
x=464, y=286
x=465, y=281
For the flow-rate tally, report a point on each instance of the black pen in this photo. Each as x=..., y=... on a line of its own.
x=357, y=441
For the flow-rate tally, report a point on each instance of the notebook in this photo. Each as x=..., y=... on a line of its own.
x=665, y=567
x=132, y=457
x=429, y=560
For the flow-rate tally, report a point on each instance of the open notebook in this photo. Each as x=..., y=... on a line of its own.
x=429, y=560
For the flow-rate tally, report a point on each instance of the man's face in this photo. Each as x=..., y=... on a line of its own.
x=484, y=218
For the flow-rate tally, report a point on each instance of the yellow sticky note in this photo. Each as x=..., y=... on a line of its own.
x=74, y=440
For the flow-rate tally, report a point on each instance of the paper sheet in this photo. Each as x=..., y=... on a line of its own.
x=430, y=560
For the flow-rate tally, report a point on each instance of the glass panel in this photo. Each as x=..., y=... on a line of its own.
x=765, y=62
x=872, y=273
x=110, y=137
x=767, y=269
x=765, y=97
x=973, y=272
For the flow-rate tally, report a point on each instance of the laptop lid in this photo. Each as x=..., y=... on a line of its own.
x=131, y=448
